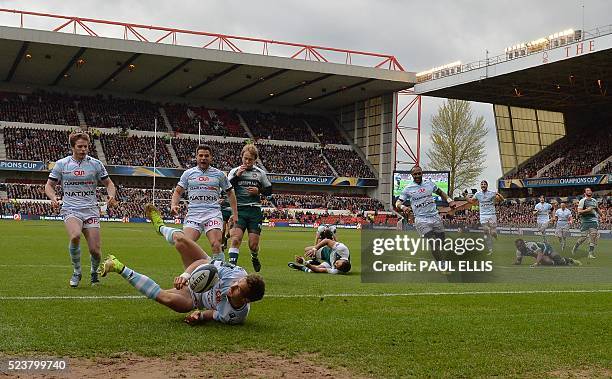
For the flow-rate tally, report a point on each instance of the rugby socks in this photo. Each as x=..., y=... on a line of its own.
x=75, y=257
x=489, y=242
x=233, y=255
x=95, y=263
x=305, y=269
x=167, y=232
x=254, y=254
x=142, y=283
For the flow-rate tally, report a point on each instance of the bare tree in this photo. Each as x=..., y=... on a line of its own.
x=457, y=144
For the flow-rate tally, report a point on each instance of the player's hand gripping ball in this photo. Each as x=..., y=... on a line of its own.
x=203, y=278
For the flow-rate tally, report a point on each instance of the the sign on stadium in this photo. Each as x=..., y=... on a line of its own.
x=22, y=165
x=554, y=182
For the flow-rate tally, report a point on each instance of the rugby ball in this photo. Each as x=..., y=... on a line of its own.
x=203, y=278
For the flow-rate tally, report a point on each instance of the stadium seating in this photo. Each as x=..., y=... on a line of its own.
x=325, y=130
x=294, y=160
x=214, y=122
x=580, y=153
x=39, y=144
x=354, y=204
x=39, y=108
x=348, y=163
x=277, y=126
x=135, y=151
x=111, y=112
x=226, y=155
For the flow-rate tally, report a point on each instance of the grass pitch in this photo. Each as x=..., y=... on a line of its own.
x=379, y=330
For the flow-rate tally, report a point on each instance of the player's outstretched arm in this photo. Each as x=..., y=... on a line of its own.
x=446, y=198
x=111, y=190
x=176, y=197
x=231, y=197
x=199, y=317
x=50, y=192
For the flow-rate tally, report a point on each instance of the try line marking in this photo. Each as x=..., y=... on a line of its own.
x=279, y=296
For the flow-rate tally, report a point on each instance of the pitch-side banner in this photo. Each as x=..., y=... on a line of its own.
x=274, y=178
x=22, y=165
x=590, y=180
x=323, y=180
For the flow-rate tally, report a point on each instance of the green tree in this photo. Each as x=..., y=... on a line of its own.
x=457, y=144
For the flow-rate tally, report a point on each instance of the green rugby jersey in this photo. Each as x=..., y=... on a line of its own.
x=254, y=177
x=590, y=217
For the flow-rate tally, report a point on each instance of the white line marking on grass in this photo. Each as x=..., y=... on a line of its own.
x=280, y=296
x=38, y=266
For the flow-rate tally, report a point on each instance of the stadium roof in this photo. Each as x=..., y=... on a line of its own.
x=566, y=78
x=49, y=58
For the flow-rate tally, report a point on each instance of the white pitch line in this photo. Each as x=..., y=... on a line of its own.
x=280, y=296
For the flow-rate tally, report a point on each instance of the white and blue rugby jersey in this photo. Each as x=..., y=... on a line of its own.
x=543, y=214
x=216, y=298
x=486, y=202
x=204, y=188
x=79, y=180
x=563, y=216
x=421, y=200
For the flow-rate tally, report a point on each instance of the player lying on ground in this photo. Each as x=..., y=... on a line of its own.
x=542, y=252
x=327, y=256
x=227, y=302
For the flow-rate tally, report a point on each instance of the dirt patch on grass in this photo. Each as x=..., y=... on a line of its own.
x=582, y=372
x=249, y=364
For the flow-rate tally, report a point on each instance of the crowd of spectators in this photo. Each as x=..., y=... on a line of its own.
x=111, y=112
x=579, y=153
x=214, y=122
x=39, y=144
x=348, y=163
x=38, y=108
x=354, y=204
x=295, y=160
x=135, y=151
x=226, y=155
x=277, y=126
x=325, y=130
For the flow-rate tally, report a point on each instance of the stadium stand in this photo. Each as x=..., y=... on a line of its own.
x=134, y=151
x=214, y=122
x=39, y=108
x=325, y=130
x=39, y=144
x=277, y=126
x=111, y=112
x=296, y=160
x=226, y=155
x=579, y=154
x=347, y=163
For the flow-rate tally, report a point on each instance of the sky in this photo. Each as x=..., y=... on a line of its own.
x=421, y=34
